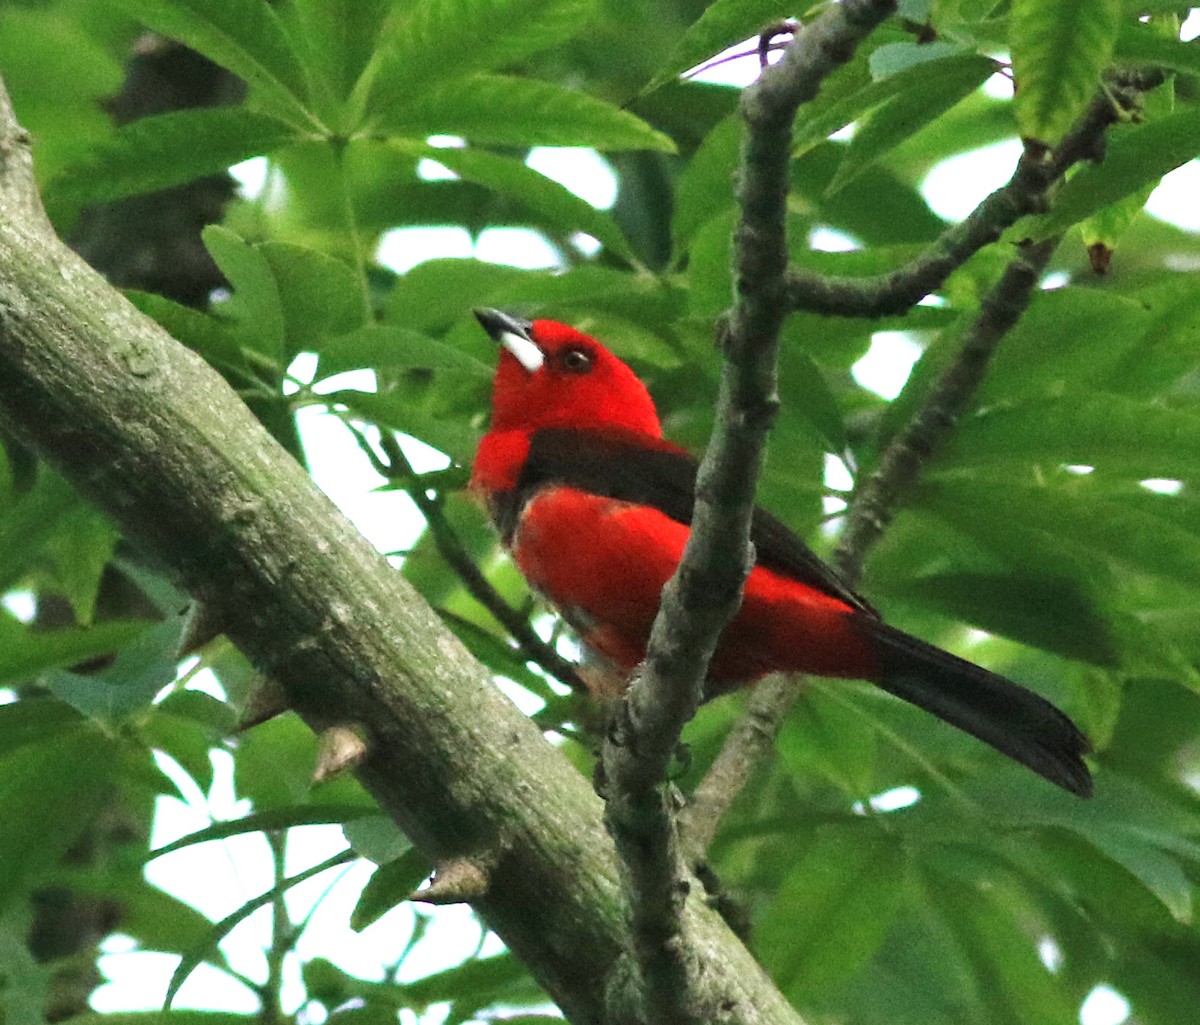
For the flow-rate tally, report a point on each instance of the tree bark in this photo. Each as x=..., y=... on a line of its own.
x=146, y=430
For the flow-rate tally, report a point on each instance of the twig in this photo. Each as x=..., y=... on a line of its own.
x=898, y=470
x=1025, y=193
x=446, y=540
x=873, y=507
x=746, y=747
x=706, y=590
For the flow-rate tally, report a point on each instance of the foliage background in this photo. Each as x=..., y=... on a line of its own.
x=991, y=898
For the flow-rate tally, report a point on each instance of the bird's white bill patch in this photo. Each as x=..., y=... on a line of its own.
x=526, y=352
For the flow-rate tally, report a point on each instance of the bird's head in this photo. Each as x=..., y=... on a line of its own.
x=551, y=375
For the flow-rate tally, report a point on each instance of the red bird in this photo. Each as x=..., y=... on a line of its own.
x=595, y=507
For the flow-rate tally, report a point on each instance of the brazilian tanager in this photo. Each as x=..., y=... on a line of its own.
x=595, y=507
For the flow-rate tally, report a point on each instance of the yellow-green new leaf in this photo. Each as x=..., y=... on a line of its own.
x=1059, y=49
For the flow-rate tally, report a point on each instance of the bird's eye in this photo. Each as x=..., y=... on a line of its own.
x=575, y=361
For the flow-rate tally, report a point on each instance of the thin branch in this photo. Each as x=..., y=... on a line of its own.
x=748, y=745
x=934, y=422
x=705, y=592
x=450, y=548
x=1026, y=192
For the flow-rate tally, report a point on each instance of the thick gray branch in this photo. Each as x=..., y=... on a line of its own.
x=161, y=443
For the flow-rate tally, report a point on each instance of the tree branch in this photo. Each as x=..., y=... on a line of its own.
x=1026, y=192
x=159, y=441
x=749, y=743
x=705, y=592
x=934, y=422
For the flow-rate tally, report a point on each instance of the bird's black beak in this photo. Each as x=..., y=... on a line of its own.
x=497, y=323
x=515, y=334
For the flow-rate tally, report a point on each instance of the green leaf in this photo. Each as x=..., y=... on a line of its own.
x=202, y=952
x=858, y=97
x=430, y=296
x=1049, y=612
x=390, y=885
x=157, y=920
x=710, y=256
x=1151, y=533
x=829, y=739
x=1135, y=157
x=51, y=790
x=162, y=1018
x=255, y=307
x=275, y=763
x=318, y=295
x=1167, y=353
x=396, y=410
x=141, y=669
x=1014, y=983
x=474, y=984
x=80, y=555
x=1103, y=230
x=634, y=312
x=242, y=35
x=188, y=743
x=804, y=384
x=337, y=39
x=1107, y=431
x=851, y=882
x=1146, y=45
x=424, y=48
x=508, y=111
x=834, y=109
x=1145, y=834
x=925, y=92
x=893, y=58
x=720, y=26
x=25, y=653
x=27, y=526
x=706, y=185
x=1099, y=329
x=162, y=150
x=270, y=820
x=559, y=206
x=376, y=837
x=1059, y=49
x=34, y=720
x=395, y=348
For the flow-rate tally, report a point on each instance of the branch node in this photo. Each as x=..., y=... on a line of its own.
x=341, y=748
x=457, y=881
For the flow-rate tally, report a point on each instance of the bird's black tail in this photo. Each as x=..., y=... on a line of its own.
x=1010, y=718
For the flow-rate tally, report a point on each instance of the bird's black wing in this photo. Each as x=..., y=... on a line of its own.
x=625, y=468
